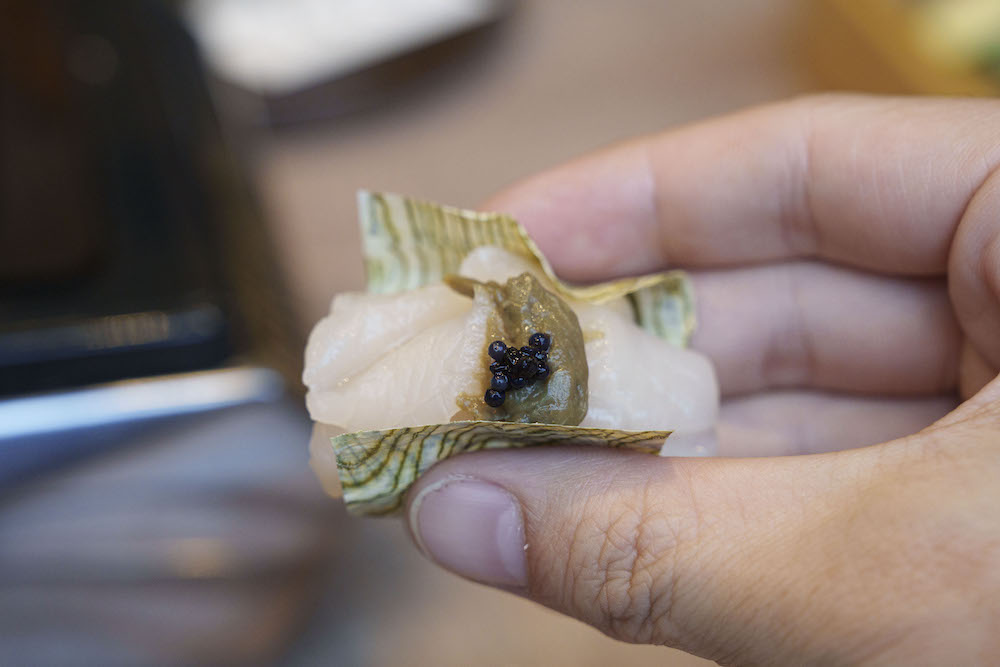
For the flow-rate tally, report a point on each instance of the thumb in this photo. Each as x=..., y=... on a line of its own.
x=729, y=559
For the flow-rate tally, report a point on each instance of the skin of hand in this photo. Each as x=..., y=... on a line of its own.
x=845, y=253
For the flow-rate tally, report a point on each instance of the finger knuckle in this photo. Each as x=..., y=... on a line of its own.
x=621, y=567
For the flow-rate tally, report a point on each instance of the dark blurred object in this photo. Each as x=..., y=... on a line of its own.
x=304, y=60
x=129, y=243
x=132, y=253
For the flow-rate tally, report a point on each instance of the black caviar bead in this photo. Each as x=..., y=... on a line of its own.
x=527, y=350
x=540, y=341
x=494, y=398
x=526, y=367
x=498, y=367
x=512, y=356
x=496, y=349
x=540, y=356
x=543, y=371
x=517, y=382
x=500, y=382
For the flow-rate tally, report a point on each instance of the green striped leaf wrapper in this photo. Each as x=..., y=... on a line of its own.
x=377, y=467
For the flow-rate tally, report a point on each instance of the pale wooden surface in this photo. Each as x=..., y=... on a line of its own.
x=561, y=79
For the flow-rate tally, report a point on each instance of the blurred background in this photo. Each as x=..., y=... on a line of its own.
x=177, y=188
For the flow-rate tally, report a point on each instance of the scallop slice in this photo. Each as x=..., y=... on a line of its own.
x=413, y=383
x=639, y=381
x=363, y=327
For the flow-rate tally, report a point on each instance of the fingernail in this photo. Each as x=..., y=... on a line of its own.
x=472, y=528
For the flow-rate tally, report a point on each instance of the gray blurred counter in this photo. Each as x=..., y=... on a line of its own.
x=170, y=547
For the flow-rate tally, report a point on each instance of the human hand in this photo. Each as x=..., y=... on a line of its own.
x=845, y=254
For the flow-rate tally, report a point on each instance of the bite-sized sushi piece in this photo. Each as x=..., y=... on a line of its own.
x=466, y=340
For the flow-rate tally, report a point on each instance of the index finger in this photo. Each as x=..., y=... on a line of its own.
x=877, y=183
